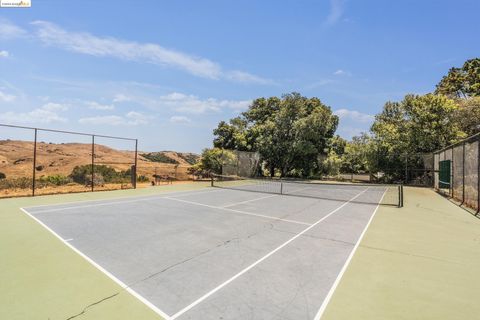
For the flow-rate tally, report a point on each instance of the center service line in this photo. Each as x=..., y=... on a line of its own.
x=193, y=304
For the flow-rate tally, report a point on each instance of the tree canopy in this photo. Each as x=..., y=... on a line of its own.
x=295, y=135
x=461, y=82
x=290, y=133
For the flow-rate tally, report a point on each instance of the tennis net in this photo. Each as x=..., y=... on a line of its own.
x=391, y=195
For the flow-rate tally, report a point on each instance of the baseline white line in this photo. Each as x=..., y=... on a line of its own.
x=329, y=295
x=247, y=201
x=208, y=294
x=238, y=211
x=100, y=203
x=108, y=274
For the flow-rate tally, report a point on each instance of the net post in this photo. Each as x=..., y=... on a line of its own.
x=34, y=162
x=281, y=187
x=211, y=181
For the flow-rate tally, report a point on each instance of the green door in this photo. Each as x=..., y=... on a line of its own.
x=444, y=174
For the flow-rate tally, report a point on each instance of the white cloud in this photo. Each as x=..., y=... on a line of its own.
x=55, y=107
x=4, y=54
x=319, y=83
x=86, y=43
x=9, y=30
x=337, y=8
x=180, y=119
x=121, y=98
x=132, y=118
x=194, y=105
x=246, y=77
x=354, y=115
x=341, y=72
x=183, y=103
x=97, y=106
x=48, y=113
x=6, y=97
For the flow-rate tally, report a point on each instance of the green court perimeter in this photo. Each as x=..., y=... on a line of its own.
x=418, y=262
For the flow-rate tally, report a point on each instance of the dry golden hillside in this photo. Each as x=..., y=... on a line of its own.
x=16, y=159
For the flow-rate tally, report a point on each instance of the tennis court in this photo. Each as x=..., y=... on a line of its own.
x=222, y=253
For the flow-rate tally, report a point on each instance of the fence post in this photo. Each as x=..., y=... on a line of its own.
x=478, y=175
x=452, y=172
x=93, y=163
x=136, y=163
x=406, y=168
x=463, y=175
x=34, y=162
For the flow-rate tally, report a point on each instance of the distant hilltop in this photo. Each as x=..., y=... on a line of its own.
x=16, y=158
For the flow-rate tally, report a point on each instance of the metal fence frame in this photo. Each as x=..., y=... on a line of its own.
x=93, y=136
x=451, y=191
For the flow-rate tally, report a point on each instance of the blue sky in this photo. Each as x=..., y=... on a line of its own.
x=167, y=72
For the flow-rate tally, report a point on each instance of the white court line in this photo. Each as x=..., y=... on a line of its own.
x=344, y=268
x=193, y=304
x=247, y=201
x=111, y=276
x=238, y=211
x=99, y=204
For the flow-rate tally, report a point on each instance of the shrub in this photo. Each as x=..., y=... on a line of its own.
x=16, y=183
x=106, y=174
x=159, y=157
x=191, y=158
x=2, y=176
x=98, y=179
x=142, y=178
x=56, y=180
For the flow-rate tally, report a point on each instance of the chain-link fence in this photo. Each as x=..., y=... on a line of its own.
x=37, y=161
x=457, y=170
x=163, y=173
x=244, y=164
x=408, y=169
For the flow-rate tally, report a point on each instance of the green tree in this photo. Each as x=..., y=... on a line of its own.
x=332, y=164
x=461, y=82
x=212, y=161
x=356, y=154
x=431, y=122
x=417, y=124
x=467, y=115
x=337, y=144
x=289, y=132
